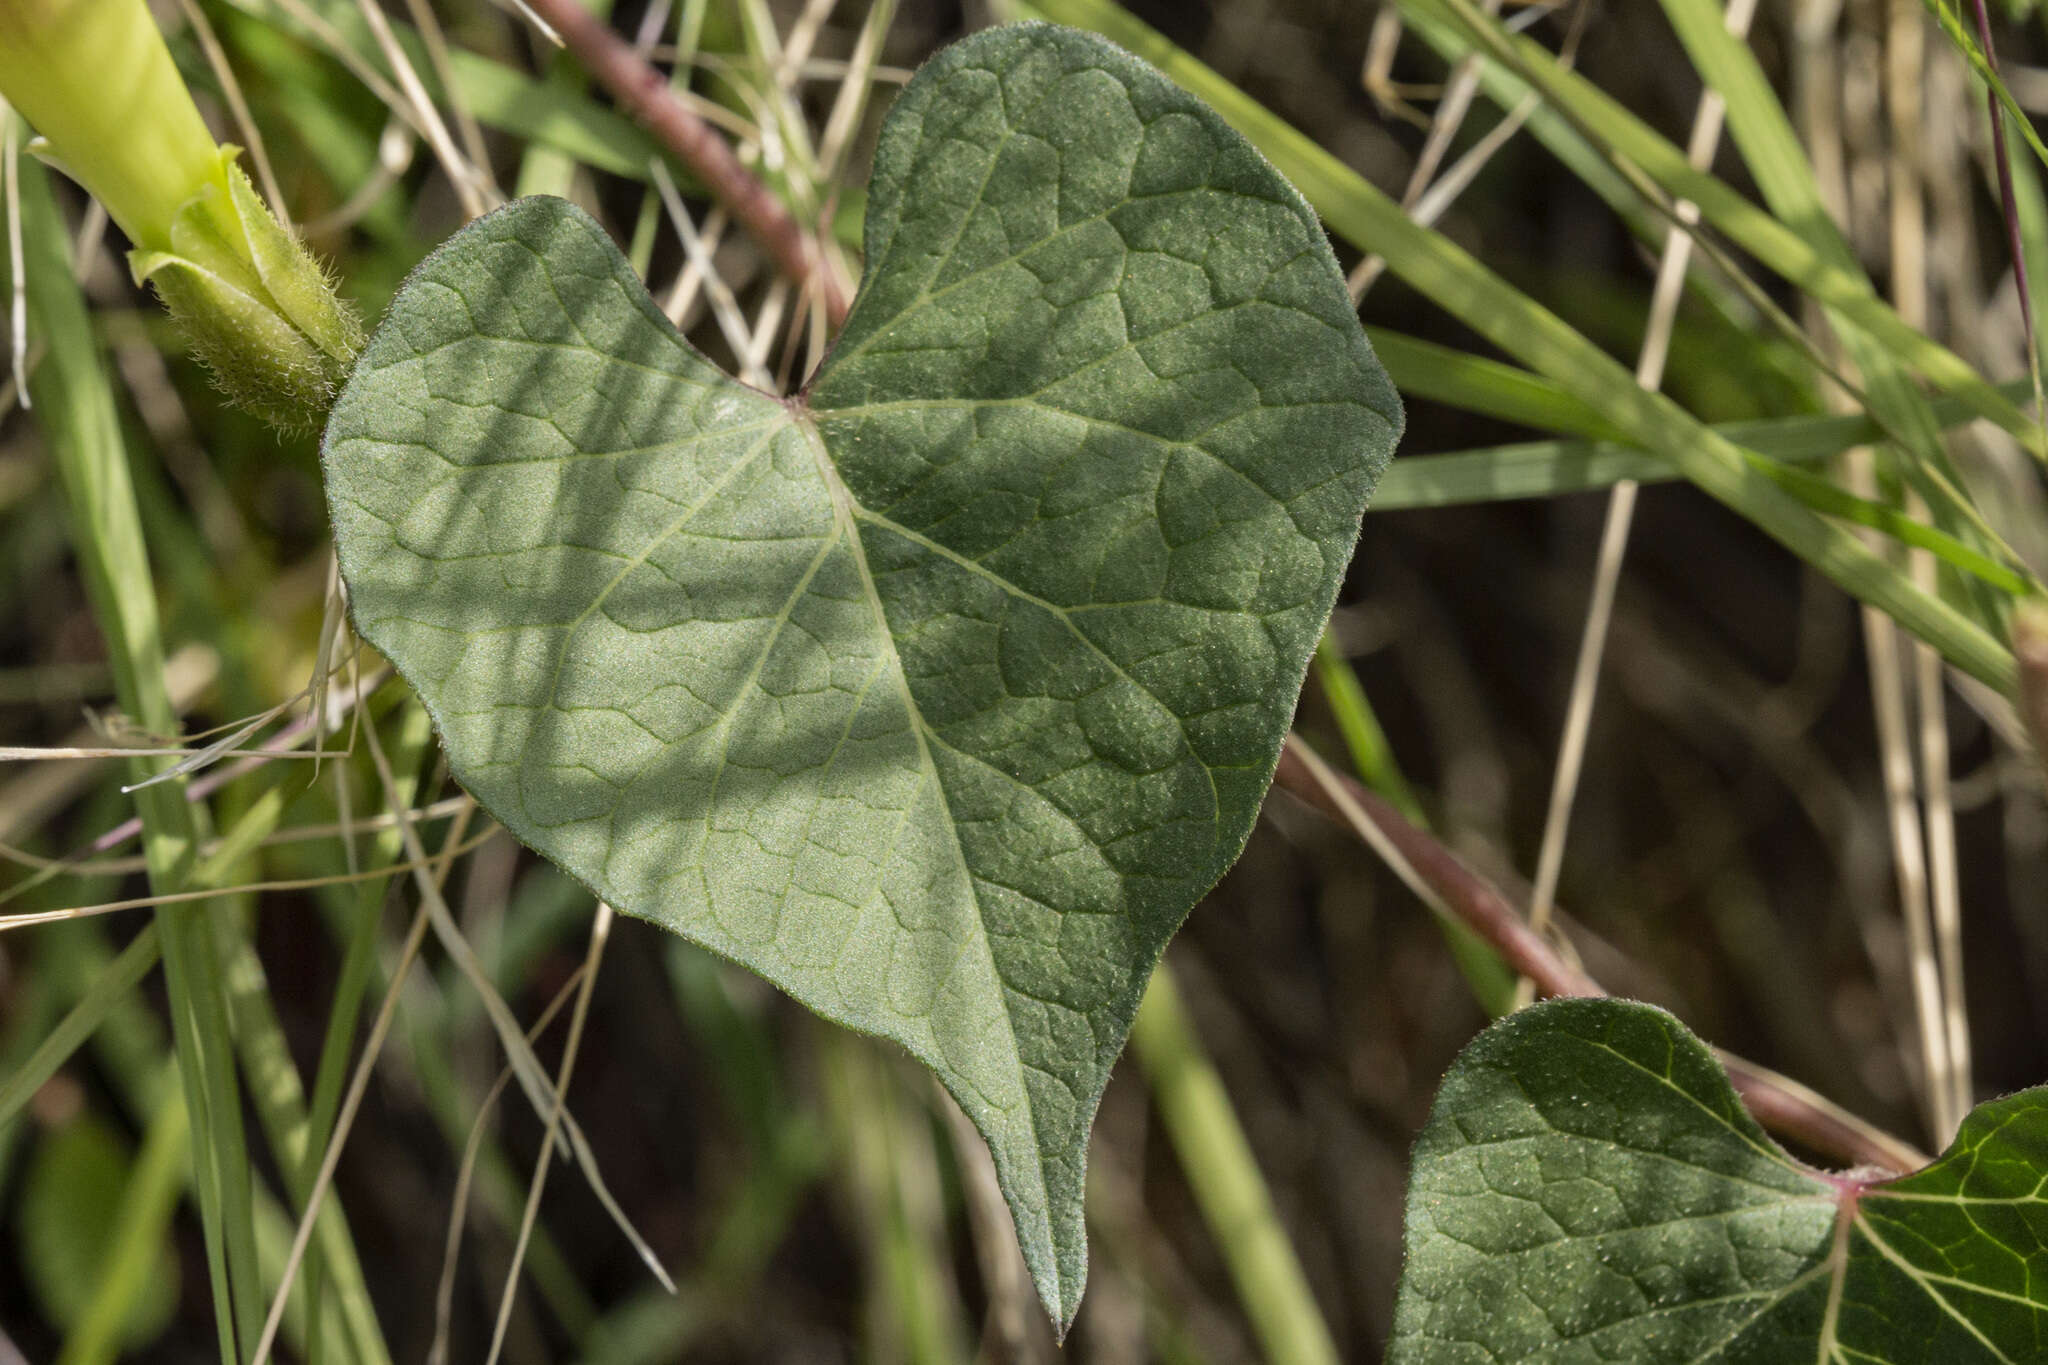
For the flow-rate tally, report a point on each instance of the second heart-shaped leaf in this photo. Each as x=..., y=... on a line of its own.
x=939, y=693
x=1589, y=1189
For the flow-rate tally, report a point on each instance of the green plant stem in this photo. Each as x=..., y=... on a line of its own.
x=890, y=1175
x=1224, y=1174
x=76, y=408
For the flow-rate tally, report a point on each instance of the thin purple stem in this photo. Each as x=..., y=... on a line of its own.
x=279, y=744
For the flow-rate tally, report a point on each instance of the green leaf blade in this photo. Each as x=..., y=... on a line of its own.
x=1590, y=1189
x=1569, y=1147
x=941, y=693
x=1960, y=1263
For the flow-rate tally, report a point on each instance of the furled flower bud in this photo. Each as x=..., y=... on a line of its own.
x=94, y=78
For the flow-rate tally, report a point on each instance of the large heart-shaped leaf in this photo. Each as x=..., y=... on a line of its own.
x=939, y=693
x=1589, y=1189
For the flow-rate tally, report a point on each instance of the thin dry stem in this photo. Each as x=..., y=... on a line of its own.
x=1008, y=1334
x=1916, y=829
x=2030, y=648
x=14, y=753
x=17, y=307
x=343, y=830
x=859, y=74
x=702, y=270
x=358, y=1083
x=532, y=1079
x=600, y=934
x=469, y=182
x=1435, y=874
x=1621, y=506
x=9, y=922
x=458, y=1204
x=343, y=52
x=472, y=132
x=1829, y=128
x=647, y=96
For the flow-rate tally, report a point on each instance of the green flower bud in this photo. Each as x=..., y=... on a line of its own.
x=255, y=307
x=94, y=78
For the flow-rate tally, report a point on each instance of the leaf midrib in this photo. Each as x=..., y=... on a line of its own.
x=844, y=508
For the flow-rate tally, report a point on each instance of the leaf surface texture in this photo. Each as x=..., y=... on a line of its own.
x=938, y=694
x=1589, y=1189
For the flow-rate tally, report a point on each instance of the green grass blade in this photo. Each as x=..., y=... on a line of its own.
x=1771, y=147
x=1370, y=753
x=279, y=1102
x=1470, y=383
x=78, y=1024
x=75, y=408
x=1541, y=469
x=1197, y=1115
x=1966, y=43
x=1781, y=247
x=129, y=1049
x=135, y=1242
x=1373, y=758
x=1833, y=501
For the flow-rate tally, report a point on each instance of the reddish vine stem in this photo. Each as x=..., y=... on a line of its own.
x=644, y=93
x=1780, y=1104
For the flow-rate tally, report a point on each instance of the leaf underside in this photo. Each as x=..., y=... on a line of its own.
x=939, y=694
x=1590, y=1189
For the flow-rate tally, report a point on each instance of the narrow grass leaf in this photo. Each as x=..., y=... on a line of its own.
x=1780, y=246
x=93, y=1220
x=1471, y=383
x=1539, y=469
x=76, y=411
x=79, y=1023
x=1541, y=340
